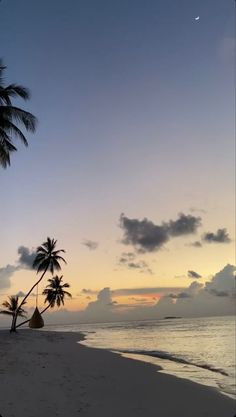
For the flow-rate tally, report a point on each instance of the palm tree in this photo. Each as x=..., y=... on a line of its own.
x=55, y=294
x=12, y=307
x=11, y=116
x=47, y=258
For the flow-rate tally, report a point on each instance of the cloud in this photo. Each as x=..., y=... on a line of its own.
x=128, y=259
x=146, y=236
x=222, y=282
x=26, y=257
x=180, y=295
x=197, y=210
x=104, y=296
x=145, y=291
x=221, y=236
x=141, y=265
x=193, y=274
x=20, y=294
x=139, y=300
x=5, y=274
x=90, y=244
x=184, y=225
x=196, y=244
x=214, y=298
x=143, y=234
x=219, y=293
x=25, y=261
x=88, y=291
x=189, y=292
x=195, y=287
x=102, y=308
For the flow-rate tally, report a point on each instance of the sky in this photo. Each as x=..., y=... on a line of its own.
x=131, y=168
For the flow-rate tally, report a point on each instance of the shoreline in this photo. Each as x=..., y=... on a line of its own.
x=45, y=373
x=160, y=368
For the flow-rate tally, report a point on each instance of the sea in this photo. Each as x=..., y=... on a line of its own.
x=198, y=349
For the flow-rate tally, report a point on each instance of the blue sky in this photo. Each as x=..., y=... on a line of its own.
x=136, y=114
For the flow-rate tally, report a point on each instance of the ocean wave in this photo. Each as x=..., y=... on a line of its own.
x=173, y=358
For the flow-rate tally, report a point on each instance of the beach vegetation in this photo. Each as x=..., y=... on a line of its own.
x=47, y=259
x=11, y=306
x=11, y=117
x=55, y=294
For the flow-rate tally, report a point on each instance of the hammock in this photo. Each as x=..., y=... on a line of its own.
x=36, y=321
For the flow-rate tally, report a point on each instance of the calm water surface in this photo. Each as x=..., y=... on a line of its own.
x=201, y=350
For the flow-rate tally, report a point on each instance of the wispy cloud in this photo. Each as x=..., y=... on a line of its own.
x=5, y=274
x=24, y=261
x=130, y=261
x=197, y=210
x=90, y=244
x=193, y=274
x=196, y=244
x=145, y=291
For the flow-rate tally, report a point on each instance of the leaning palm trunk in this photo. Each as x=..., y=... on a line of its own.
x=21, y=324
x=47, y=258
x=13, y=326
x=27, y=321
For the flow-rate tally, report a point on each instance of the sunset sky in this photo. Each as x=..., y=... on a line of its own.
x=132, y=164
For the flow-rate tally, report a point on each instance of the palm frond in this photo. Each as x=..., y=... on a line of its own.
x=54, y=291
x=12, y=306
x=12, y=113
x=14, y=90
x=2, y=68
x=66, y=285
x=43, y=265
x=6, y=147
x=54, y=265
x=7, y=313
x=13, y=129
x=11, y=116
x=55, y=252
x=60, y=258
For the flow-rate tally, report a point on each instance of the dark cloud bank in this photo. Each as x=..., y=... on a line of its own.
x=146, y=236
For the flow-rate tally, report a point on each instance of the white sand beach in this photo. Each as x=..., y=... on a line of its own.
x=45, y=374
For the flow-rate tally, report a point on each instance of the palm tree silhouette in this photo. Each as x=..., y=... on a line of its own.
x=12, y=307
x=47, y=258
x=55, y=292
x=10, y=116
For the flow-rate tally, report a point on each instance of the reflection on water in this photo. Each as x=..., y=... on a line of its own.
x=202, y=349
